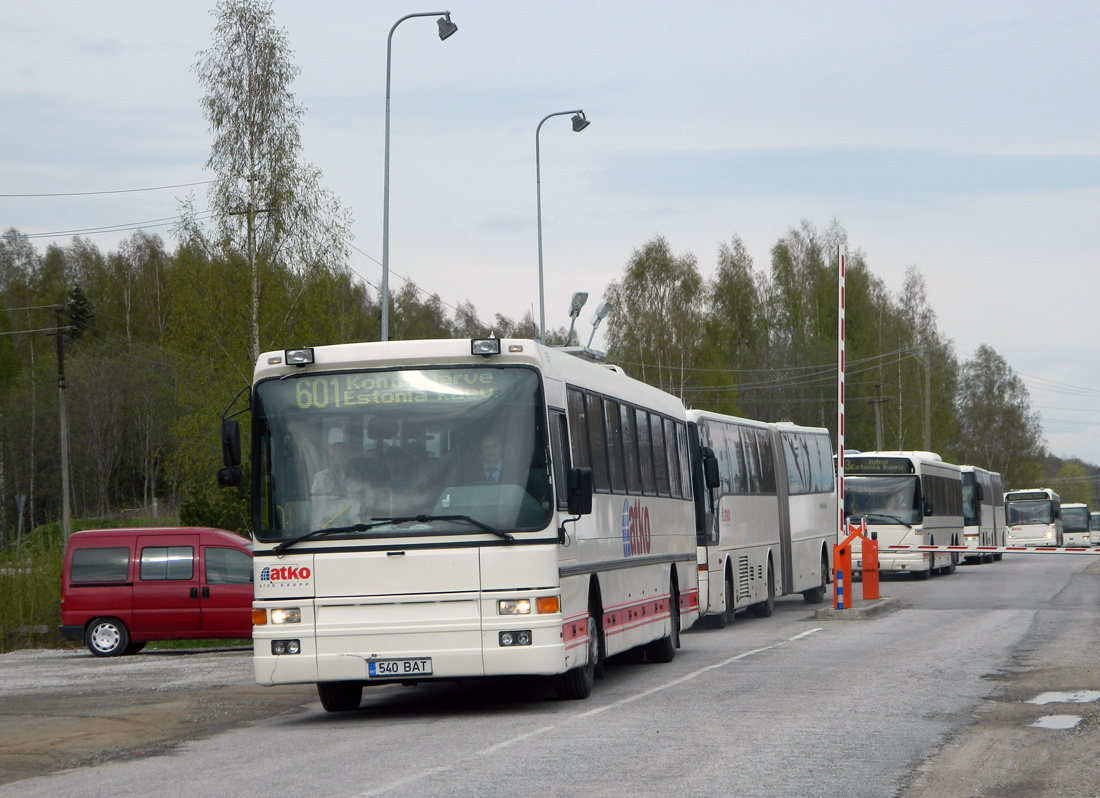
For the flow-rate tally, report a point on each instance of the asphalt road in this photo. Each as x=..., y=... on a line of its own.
x=930, y=699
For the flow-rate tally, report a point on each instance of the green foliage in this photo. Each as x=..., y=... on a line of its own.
x=30, y=591
x=224, y=509
x=655, y=322
x=1073, y=484
x=997, y=429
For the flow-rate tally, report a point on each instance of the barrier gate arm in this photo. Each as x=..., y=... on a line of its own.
x=1003, y=549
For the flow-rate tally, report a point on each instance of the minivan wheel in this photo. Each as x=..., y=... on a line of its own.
x=107, y=637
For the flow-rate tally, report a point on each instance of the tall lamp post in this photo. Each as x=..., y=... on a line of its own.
x=446, y=30
x=579, y=124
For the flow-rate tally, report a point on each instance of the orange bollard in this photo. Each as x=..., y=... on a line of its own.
x=870, y=566
x=842, y=584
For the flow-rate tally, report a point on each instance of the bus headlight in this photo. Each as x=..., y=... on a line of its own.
x=281, y=615
x=514, y=607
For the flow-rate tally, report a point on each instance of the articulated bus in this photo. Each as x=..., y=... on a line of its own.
x=983, y=511
x=767, y=522
x=1075, y=524
x=443, y=510
x=1033, y=517
x=910, y=499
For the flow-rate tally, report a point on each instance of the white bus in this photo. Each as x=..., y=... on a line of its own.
x=909, y=499
x=1075, y=524
x=983, y=511
x=1033, y=517
x=1094, y=529
x=442, y=510
x=767, y=523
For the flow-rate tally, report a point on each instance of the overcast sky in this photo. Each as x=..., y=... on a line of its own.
x=962, y=138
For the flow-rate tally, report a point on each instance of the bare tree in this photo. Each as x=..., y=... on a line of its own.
x=268, y=210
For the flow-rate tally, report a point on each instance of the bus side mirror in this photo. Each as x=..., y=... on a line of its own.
x=229, y=477
x=981, y=492
x=579, y=486
x=231, y=445
x=927, y=509
x=711, y=477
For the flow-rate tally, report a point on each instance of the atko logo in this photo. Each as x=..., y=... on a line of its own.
x=636, y=538
x=285, y=573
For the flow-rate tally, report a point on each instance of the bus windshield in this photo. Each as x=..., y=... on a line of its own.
x=1029, y=512
x=1075, y=519
x=450, y=450
x=891, y=500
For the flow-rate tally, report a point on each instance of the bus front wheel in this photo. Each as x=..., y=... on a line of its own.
x=576, y=683
x=340, y=696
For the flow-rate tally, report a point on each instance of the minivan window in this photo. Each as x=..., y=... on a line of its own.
x=167, y=562
x=227, y=567
x=100, y=565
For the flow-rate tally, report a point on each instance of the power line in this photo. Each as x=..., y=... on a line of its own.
x=116, y=228
x=100, y=193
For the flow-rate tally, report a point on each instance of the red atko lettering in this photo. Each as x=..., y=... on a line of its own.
x=639, y=529
x=290, y=572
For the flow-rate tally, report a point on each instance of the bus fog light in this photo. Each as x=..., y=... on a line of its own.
x=518, y=638
x=281, y=615
x=514, y=607
x=280, y=647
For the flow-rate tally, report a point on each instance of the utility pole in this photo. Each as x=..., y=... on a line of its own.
x=924, y=357
x=66, y=517
x=877, y=402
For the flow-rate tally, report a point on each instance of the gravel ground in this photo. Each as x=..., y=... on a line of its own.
x=66, y=709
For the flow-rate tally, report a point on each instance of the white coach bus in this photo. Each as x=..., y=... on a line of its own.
x=1075, y=524
x=1094, y=528
x=909, y=499
x=442, y=510
x=1033, y=517
x=766, y=520
x=983, y=511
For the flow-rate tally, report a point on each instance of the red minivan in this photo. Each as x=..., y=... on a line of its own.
x=121, y=588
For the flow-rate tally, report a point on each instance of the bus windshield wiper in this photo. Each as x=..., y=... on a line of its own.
x=424, y=519
x=335, y=530
x=888, y=516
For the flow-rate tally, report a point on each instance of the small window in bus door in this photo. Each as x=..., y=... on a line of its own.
x=579, y=428
x=559, y=450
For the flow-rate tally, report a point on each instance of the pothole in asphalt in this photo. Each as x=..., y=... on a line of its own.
x=1056, y=722
x=1079, y=697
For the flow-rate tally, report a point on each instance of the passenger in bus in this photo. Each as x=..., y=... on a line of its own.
x=330, y=482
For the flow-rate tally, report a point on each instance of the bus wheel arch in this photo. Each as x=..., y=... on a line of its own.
x=576, y=683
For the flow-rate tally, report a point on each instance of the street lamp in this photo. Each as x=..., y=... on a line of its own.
x=601, y=311
x=446, y=30
x=579, y=298
x=579, y=124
